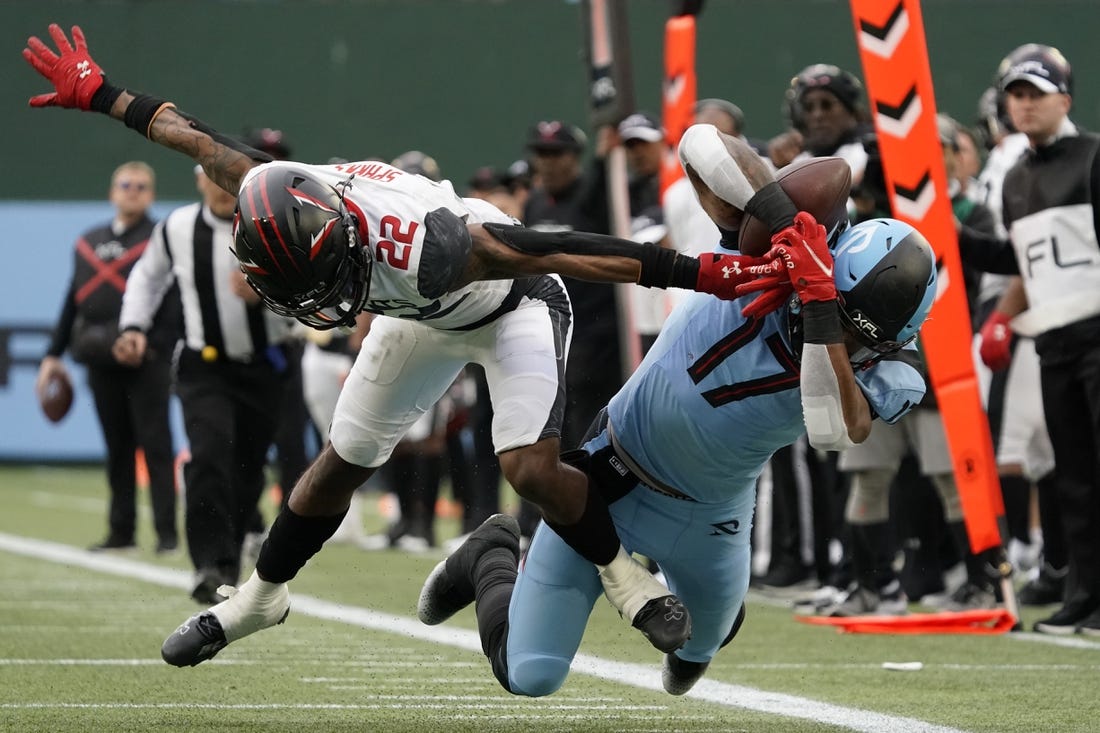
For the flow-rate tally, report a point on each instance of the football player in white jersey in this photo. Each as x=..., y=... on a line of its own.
x=322, y=243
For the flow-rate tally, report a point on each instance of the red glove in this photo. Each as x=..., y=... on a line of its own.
x=996, y=341
x=768, y=301
x=804, y=248
x=721, y=274
x=74, y=75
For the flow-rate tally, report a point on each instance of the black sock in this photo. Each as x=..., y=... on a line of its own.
x=873, y=553
x=594, y=536
x=292, y=541
x=495, y=577
x=1016, y=491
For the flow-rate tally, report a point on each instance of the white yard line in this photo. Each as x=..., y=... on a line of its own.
x=636, y=675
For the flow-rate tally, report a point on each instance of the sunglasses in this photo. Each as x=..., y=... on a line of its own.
x=127, y=185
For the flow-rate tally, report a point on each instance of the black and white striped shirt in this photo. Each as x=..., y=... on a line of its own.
x=192, y=247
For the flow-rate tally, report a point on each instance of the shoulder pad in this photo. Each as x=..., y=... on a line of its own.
x=447, y=246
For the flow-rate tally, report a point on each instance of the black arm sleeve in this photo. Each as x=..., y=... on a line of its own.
x=986, y=252
x=225, y=140
x=773, y=206
x=661, y=267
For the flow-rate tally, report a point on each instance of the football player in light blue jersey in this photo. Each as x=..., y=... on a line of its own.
x=678, y=449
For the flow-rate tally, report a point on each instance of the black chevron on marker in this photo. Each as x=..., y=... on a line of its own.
x=896, y=113
x=881, y=33
x=913, y=193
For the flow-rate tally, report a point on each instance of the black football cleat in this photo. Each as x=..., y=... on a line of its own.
x=256, y=605
x=197, y=639
x=665, y=621
x=451, y=586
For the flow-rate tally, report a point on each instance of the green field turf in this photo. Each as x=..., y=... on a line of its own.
x=80, y=636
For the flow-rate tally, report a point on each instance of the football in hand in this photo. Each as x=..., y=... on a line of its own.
x=818, y=185
x=56, y=397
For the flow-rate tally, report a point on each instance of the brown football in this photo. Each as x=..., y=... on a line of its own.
x=817, y=185
x=56, y=397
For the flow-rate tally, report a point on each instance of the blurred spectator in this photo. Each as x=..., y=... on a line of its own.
x=566, y=198
x=490, y=184
x=1050, y=203
x=825, y=106
x=1013, y=393
x=646, y=149
x=131, y=401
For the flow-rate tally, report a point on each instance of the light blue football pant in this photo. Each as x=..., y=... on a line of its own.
x=703, y=550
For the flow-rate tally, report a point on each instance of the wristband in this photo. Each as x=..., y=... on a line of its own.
x=821, y=322
x=773, y=206
x=666, y=268
x=142, y=110
x=104, y=97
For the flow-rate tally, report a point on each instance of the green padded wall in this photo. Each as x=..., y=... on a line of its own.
x=460, y=79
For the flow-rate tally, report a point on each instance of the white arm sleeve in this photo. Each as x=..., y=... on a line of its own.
x=822, y=410
x=147, y=283
x=703, y=149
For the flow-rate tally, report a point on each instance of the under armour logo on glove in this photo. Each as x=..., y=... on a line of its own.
x=720, y=274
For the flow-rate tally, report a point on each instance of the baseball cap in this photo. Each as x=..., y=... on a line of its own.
x=641, y=126
x=555, y=135
x=1043, y=66
x=486, y=178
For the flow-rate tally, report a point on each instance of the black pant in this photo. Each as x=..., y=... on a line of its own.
x=484, y=467
x=1071, y=400
x=294, y=421
x=132, y=405
x=230, y=411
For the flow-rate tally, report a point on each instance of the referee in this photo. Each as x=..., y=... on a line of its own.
x=229, y=379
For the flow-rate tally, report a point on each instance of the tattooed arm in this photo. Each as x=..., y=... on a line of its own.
x=226, y=164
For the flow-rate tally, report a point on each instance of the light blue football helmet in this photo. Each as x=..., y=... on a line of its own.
x=885, y=274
